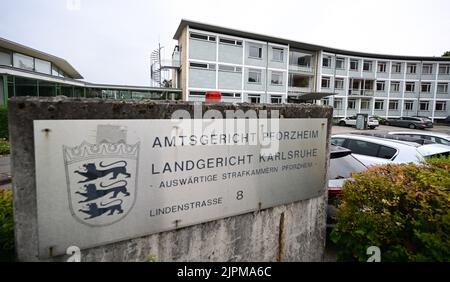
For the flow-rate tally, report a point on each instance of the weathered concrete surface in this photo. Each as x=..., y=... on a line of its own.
x=294, y=232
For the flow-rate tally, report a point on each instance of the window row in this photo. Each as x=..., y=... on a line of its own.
x=25, y=62
x=393, y=105
x=251, y=98
x=380, y=85
x=382, y=66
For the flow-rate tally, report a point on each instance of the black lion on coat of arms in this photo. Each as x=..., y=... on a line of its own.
x=92, y=173
x=92, y=193
x=95, y=211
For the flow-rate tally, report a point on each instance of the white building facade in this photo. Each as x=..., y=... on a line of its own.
x=248, y=67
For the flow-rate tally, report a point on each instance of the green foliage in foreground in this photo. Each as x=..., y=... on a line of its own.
x=402, y=209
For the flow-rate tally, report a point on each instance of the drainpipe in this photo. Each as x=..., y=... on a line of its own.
x=420, y=87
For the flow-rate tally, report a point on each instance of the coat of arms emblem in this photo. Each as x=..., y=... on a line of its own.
x=101, y=181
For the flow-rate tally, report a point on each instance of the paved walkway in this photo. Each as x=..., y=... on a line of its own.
x=5, y=170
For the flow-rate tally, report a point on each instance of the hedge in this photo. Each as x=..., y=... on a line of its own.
x=6, y=225
x=402, y=209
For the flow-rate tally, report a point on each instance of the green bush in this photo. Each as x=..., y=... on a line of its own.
x=4, y=133
x=4, y=147
x=402, y=209
x=6, y=225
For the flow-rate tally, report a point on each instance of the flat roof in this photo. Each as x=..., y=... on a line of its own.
x=59, y=62
x=295, y=44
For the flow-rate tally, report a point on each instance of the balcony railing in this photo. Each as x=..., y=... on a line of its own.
x=307, y=69
x=170, y=64
x=360, y=92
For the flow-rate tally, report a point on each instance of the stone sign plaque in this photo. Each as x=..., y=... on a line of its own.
x=102, y=181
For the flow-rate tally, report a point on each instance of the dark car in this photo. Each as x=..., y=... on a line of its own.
x=447, y=120
x=410, y=122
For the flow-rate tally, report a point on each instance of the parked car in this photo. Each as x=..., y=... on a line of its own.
x=411, y=122
x=342, y=165
x=371, y=123
x=415, y=139
x=375, y=150
x=447, y=120
x=433, y=137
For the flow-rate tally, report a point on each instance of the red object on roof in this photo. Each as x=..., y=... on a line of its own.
x=213, y=96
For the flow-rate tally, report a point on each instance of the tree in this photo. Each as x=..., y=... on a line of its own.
x=446, y=54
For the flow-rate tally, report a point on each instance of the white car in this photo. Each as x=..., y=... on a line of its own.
x=374, y=150
x=435, y=137
x=371, y=123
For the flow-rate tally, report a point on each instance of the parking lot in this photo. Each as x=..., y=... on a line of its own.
x=336, y=129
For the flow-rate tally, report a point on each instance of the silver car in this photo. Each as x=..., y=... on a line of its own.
x=434, y=137
x=374, y=150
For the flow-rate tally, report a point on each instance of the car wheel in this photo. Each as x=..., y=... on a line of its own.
x=412, y=126
x=342, y=123
x=372, y=127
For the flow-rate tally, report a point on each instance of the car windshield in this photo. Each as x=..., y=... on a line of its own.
x=344, y=167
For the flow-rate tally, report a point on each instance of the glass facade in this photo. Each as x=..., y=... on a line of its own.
x=23, y=62
x=19, y=86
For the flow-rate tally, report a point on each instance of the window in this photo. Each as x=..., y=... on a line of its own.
x=381, y=85
x=254, y=98
x=326, y=102
x=386, y=152
x=203, y=37
x=23, y=61
x=337, y=141
x=425, y=87
x=393, y=105
x=255, y=52
x=230, y=68
x=326, y=62
x=340, y=63
x=277, y=78
x=395, y=86
x=277, y=54
x=300, y=59
x=411, y=68
x=427, y=69
x=296, y=80
x=254, y=76
x=396, y=67
x=379, y=105
x=410, y=86
x=42, y=66
x=325, y=82
x=442, y=87
x=5, y=59
x=365, y=104
x=408, y=105
x=231, y=95
x=363, y=148
x=382, y=66
x=444, y=68
x=424, y=105
x=441, y=105
x=353, y=64
x=351, y=104
x=337, y=103
x=367, y=65
x=230, y=41
x=339, y=83
x=203, y=66
x=275, y=99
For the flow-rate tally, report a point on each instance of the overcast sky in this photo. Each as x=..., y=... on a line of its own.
x=110, y=41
